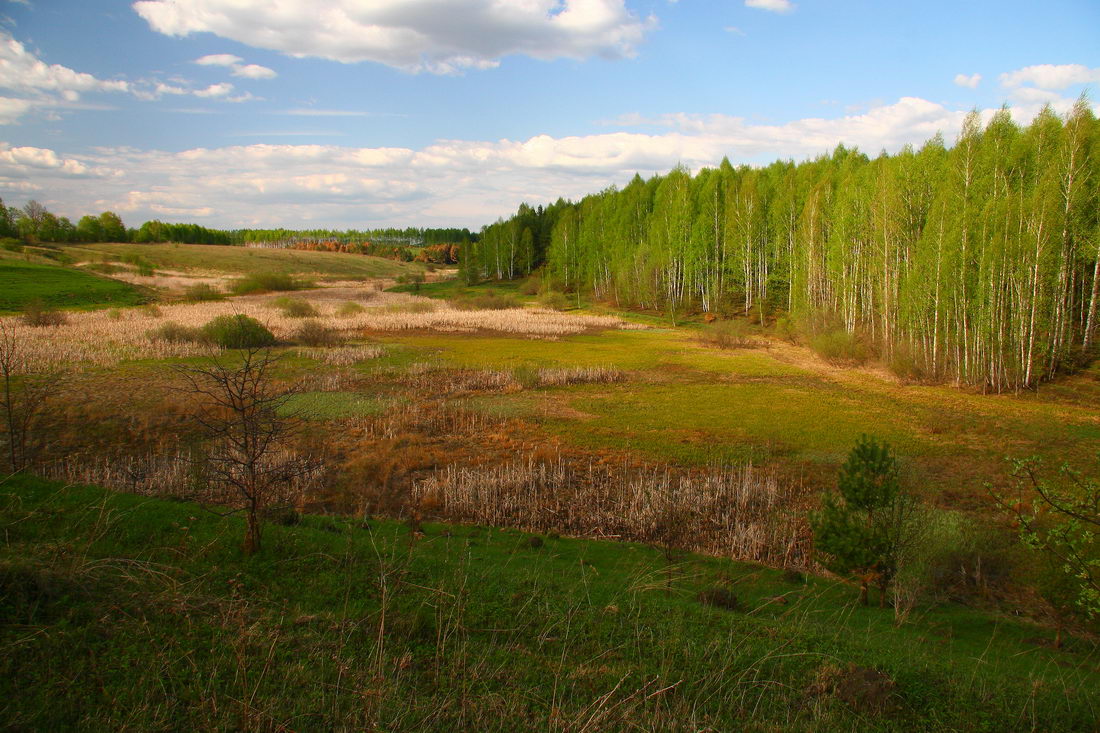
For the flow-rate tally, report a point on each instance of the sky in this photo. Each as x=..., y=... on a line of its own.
x=374, y=113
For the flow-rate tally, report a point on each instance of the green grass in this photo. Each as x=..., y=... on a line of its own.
x=61, y=287
x=333, y=405
x=243, y=260
x=693, y=404
x=126, y=612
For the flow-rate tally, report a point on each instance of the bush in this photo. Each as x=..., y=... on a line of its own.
x=720, y=598
x=201, y=293
x=315, y=333
x=151, y=311
x=906, y=363
x=37, y=313
x=104, y=268
x=840, y=348
x=349, y=309
x=237, y=332
x=174, y=333
x=294, y=307
x=531, y=286
x=554, y=300
x=728, y=335
x=114, y=314
x=266, y=282
x=10, y=244
x=486, y=301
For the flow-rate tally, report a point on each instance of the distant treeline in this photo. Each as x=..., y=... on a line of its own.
x=977, y=263
x=34, y=223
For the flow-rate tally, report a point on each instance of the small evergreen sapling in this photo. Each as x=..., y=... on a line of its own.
x=861, y=530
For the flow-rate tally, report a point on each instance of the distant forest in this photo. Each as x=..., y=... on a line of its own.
x=35, y=223
x=976, y=263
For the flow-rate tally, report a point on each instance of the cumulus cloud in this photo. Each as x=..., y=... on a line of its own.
x=774, y=6
x=438, y=36
x=971, y=82
x=39, y=84
x=449, y=182
x=236, y=63
x=1051, y=76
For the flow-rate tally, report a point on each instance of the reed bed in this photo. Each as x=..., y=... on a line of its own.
x=343, y=355
x=567, y=376
x=174, y=473
x=738, y=512
x=104, y=338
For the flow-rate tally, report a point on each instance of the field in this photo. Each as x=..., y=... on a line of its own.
x=204, y=258
x=133, y=613
x=453, y=569
x=60, y=287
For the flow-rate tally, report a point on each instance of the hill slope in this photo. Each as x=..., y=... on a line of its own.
x=126, y=612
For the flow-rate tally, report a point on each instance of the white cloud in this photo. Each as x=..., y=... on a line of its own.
x=215, y=90
x=39, y=84
x=439, y=36
x=310, y=112
x=219, y=59
x=1051, y=76
x=449, y=182
x=971, y=82
x=254, y=71
x=248, y=71
x=775, y=6
x=734, y=30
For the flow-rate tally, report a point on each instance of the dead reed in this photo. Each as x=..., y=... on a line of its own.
x=732, y=511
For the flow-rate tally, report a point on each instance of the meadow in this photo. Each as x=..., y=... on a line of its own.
x=23, y=282
x=493, y=537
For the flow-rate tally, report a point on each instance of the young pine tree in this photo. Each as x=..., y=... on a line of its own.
x=861, y=530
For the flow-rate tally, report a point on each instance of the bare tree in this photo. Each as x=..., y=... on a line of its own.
x=249, y=463
x=26, y=391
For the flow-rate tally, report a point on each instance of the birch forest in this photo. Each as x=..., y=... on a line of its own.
x=977, y=263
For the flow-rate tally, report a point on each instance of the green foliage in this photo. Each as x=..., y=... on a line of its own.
x=201, y=293
x=487, y=301
x=861, y=531
x=1062, y=523
x=554, y=300
x=734, y=334
x=840, y=348
x=349, y=309
x=265, y=282
x=314, y=333
x=36, y=312
x=294, y=307
x=175, y=333
x=237, y=332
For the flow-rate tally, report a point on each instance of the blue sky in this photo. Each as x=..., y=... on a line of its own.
x=362, y=113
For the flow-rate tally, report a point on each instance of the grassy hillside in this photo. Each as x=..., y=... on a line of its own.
x=61, y=287
x=242, y=260
x=129, y=613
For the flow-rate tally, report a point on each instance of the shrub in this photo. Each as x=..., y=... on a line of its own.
x=486, y=301
x=265, y=282
x=37, y=313
x=237, y=332
x=295, y=307
x=728, y=335
x=840, y=347
x=349, y=309
x=151, y=311
x=719, y=598
x=906, y=363
x=554, y=300
x=201, y=293
x=114, y=314
x=316, y=334
x=10, y=244
x=104, y=268
x=174, y=333
x=531, y=285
